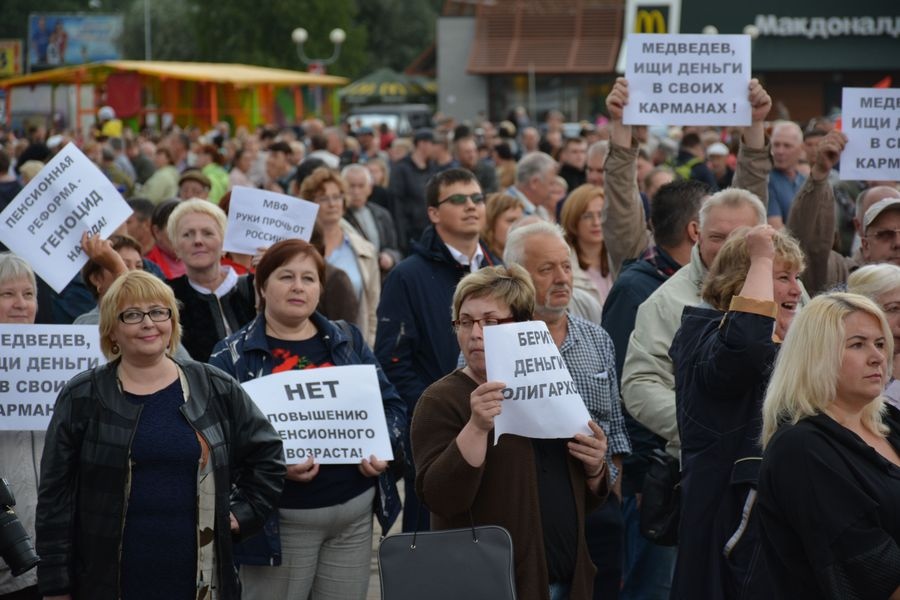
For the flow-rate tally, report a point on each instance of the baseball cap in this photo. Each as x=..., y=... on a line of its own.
x=195, y=175
x=423, y=135
x=717, y=149
x=876, y=209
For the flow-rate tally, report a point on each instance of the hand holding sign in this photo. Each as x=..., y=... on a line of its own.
x=486, y=403
x=590, y=450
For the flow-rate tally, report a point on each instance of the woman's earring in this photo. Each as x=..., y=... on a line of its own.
x=115, y=348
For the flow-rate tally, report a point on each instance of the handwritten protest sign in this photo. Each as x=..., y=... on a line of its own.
x=259, y=218
x=44, y=223
x=871, y=120
x=36, y=362
x=333, y=414
x=540, y=398
x=687, y=79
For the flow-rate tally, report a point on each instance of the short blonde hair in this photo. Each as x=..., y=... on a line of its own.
x=729, y=271
x=733, y=198
x=510, y=285
x=874, y=281
x=804, y=382
x=316, y=181
x=13, y=266
x=135, y=287
x=574, y=207
x=195, y=205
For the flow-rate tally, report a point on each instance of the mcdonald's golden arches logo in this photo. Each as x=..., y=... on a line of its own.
x=651, y=20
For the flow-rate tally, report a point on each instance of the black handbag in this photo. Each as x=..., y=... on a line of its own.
x=474, y=563
x=661, y=499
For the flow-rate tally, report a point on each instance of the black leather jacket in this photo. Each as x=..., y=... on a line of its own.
x=85, y=473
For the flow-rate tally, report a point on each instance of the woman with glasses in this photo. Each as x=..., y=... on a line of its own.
x=539, y=490
x=345, y=248
x=216, y=301
x=580, y=218
x=151, y=466
x=321, y=540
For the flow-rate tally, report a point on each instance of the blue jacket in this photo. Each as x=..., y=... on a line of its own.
x=723, y=362
x=245, y=355
x=415, y=342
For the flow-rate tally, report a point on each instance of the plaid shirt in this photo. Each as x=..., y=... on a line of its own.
x=591, y=359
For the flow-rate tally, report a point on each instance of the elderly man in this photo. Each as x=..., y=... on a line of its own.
x=415, y=343
x=596, y=156
x=374, y=222
x=193, y=184
x=535, y=178
x=590, y=357
x=784, y=180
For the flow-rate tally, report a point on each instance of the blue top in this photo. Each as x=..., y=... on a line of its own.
x=344, y=258
x=159, y=544
x=781, y=193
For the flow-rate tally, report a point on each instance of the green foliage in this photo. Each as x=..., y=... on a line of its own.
x=399, y=30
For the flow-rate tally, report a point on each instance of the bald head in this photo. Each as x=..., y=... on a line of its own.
x=787, y=146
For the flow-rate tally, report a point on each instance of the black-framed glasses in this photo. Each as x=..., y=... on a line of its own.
x=460, y=199
x=157, y=315
x=467, y=323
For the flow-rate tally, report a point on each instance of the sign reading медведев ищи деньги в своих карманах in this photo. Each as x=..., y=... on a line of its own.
x=870, y=118
x=687, y=79
x=44, y=222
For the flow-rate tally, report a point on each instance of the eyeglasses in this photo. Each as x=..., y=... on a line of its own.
x=157, y=315
x=466, y=323
x=591, y=216
x=884, y=235
x=337, y=198
x=460, y=199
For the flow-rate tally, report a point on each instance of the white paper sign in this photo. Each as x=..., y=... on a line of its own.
x=44, y=223
x=36, y=361
x=333, y=414
x=870, y=118
x=540, y=398
x=259, y=218
x=688, y=79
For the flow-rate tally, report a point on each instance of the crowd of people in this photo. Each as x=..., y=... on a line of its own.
x=717, y=294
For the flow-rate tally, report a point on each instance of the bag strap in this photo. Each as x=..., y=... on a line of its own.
x=412, y=546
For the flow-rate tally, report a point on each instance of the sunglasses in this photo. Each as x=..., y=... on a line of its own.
x=460, y=199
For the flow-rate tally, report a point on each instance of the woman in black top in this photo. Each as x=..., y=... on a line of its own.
x=829, y=485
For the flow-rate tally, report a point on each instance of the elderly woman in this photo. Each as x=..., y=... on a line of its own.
x=345, y=248
x=722, y=356
x=501, y=211
x=830, y=476
x=151, y=466
x=322, y=541
x=881, y=283
x=580, y=218
x=538, y=489
x=216, y=301
x=20, y=451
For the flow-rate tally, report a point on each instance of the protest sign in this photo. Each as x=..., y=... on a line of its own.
x=688, y=79
x=36, y=362
x=870, y=118
x=540, y=399
x=259, y=218
x=333, y=414
x=44, y=223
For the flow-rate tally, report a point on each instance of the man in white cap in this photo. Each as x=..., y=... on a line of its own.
x=717, y=161
x=881, y=231
x=109, y=125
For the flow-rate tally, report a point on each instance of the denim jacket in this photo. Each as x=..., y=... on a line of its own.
x=246, y=356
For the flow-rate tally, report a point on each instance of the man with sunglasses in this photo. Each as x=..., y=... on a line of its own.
x=414, y=343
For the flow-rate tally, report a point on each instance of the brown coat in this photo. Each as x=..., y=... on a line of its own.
x=503, y=491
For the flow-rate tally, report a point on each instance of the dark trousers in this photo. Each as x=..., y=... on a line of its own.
x=604, y=532
x=29, y=593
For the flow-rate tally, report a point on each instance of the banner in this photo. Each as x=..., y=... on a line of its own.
x=540, y=399
x=36, y=362
x=259, y=218
x=688, y=80
x=56, y=40
x=44, y=223
x=10, y=58
x=870, y=118
x=333, y=414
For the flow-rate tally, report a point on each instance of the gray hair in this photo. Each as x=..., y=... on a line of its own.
x=514, y=252
x=600, y=148
x=733, y=197
x=357, y=169
x=15, y=267
x=874, y=281
x=534, y=164
x=790, y=126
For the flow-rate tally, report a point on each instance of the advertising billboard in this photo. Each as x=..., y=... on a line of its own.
x=59, y=39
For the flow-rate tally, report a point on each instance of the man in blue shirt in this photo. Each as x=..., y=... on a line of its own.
x=784, y=180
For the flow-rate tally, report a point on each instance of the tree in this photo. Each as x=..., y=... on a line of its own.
x=399, y=30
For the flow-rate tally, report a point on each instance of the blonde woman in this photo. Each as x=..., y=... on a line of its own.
x=881, y=283
x=830, y=478
x=501, y=211
x=580, y=218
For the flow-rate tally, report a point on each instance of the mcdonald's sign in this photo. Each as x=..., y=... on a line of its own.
x=651, y=19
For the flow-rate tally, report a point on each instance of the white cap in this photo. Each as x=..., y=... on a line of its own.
x=106, y=113
x=876, y=209
x=717, y=149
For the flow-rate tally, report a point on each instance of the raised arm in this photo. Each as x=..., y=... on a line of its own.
x=624, y=226
x=753, y=161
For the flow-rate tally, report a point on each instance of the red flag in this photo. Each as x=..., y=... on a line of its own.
x=884, y=83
